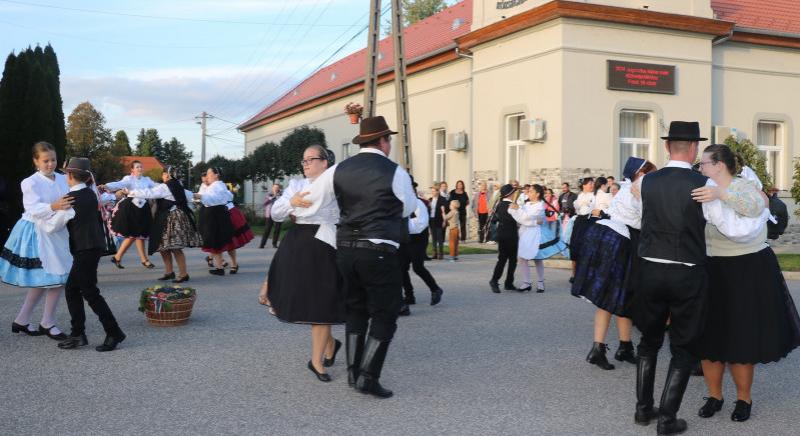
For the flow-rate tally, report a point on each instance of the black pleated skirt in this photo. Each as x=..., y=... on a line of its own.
x=215, y=228
x=751, y=315
x=305, y=286
x=579, y=228
x=129, y=221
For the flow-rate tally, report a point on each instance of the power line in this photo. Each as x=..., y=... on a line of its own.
x=165, y=17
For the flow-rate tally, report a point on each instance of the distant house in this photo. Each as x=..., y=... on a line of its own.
x=148, y=163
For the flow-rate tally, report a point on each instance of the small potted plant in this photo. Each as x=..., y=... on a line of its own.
x=167, y=305
x=354, y=111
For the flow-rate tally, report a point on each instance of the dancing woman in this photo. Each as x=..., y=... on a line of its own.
x=305, y=286
x=131, y=218
x=550, y=241
x=752, y=318
x=173, y=226
x=583, y=208
x=607, y=270
x=36, y=254
x=530, y=217
x=216, y=227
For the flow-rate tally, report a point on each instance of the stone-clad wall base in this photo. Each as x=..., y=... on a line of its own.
x=490, y=177
x=554, y=177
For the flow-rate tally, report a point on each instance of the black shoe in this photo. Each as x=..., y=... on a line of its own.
x=73, y=341
x=525, y=289
x=711, y=407
x=181, y=279
x=166, y=277
x=234, y=269
x=217, y=271
x=321, y=376
x=19, y=328
x=674, y=388
x=371, y=367
x=645, y=379
x=110, y=343
x=597, y=356
x=209, y=262
x=59, y=337
x=625, y=352
x=354, y=350
x=495, y=287
x=117, y=263
x=336, y=345
x=572, y=280
x=539, y=287
x=436, y=296
x=410, y=299
x=147, y=264
x=509, y=287
x=741, y=412
x=404, y=310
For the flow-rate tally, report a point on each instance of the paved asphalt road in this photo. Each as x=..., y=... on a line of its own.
x=477, y=364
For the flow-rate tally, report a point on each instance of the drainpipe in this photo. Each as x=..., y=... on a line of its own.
x=720, y=39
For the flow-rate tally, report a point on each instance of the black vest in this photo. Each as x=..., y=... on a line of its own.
x=86, y=228
x=368, y=207
x=673, y=226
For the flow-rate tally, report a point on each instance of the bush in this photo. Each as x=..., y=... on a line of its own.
x=752, y=158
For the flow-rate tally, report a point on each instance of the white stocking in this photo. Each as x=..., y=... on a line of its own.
x=50, y=306
x=539, y=270
x=526, y=271
x=31, y=300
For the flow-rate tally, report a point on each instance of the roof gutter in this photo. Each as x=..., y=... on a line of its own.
x=767, y=32
x=720, y=39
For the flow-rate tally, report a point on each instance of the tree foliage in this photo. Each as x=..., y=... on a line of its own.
x=148, y=143
x=30, y=111
x=293, y=146
x=416, y=10
x=751, y=157
x=174, y=153
x=121, y=145
x=87, y=136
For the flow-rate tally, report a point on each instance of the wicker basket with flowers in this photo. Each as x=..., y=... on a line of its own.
x=167, y=305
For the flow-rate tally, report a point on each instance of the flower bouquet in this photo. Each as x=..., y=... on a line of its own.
x=354, y=111
x=167, y=305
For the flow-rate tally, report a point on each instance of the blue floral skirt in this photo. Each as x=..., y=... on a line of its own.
x=19, y=260
x=606, y=271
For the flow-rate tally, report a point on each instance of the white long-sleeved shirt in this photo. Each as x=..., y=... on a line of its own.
x=584, y=203
x=38, y=192
x=625, y=210
x=326, y=216
x=215, y=194
x=130, y=183
x=160, y=190
x=419, y=222
x=322, y=192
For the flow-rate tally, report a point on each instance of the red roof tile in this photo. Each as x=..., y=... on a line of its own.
x=777, y=15
x=422, y=39
x=148, y=162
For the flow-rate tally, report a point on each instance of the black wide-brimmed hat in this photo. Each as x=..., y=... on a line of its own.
x=78, y=164
x=506, y=190
x=371, y=129
x=684, y=131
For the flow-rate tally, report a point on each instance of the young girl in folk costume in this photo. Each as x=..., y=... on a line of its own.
x=131, y=217
x=36, y=254
x=607, y=271
x=216, y=227
x=452, y=220
x=530, y=216
x=173, y=226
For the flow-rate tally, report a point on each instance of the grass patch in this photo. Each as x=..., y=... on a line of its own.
x=789, y=262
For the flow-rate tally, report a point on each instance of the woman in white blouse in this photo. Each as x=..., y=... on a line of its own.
x=215, y=220
x=131, y=218
x=36, y=254
x=305, y=286
x=583, y=208
x=530, y=217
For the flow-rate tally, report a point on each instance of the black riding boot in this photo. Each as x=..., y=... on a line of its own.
x=371, y=365
x=668, y=423
x=597, y=356
x=354, y=347
x=645, y=379
x=625, y=352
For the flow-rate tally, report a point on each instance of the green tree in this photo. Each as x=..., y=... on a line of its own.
x=293, y=146
x=148, y=143
x=121, y=146
x=416, y=10
x=752, y=158
x=796, y=184
x=86, y=131
x=174, y=153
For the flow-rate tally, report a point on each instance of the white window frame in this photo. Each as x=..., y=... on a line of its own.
x=635, y=143
x=439, y=147
x=777, y=179
x=514, y=146
x=345, y=150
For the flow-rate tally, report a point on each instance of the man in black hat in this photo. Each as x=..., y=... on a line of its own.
x=375, y=198
x=507, y=240
x=86, y=243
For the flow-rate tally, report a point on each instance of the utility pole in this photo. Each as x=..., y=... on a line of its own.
x=400, y=85
x=371, y=79
x=203, y=117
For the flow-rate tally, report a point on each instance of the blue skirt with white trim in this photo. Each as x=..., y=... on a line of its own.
x=19, y=260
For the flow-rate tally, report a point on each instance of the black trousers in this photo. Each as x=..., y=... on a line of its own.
x=412, y=255
x=506, y=252
x=267, y=227
x=672, y=292
x=373, y=290
x=437, y=237
x=82, y=285
x=482, y=230
x=462, y=219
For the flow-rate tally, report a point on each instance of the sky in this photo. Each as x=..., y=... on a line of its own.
x=159, y=64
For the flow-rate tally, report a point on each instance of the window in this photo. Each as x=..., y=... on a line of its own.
x=514, y=146
x=635, y=135
x=439, y=155
x=345, y=150
x=769, y=139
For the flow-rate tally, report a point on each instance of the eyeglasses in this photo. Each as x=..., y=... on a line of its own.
x=309, y=160
x=701, y=163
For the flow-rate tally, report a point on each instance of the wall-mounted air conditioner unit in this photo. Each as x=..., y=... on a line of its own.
x=458, y=141
x=721, y=133
x=533, y=130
